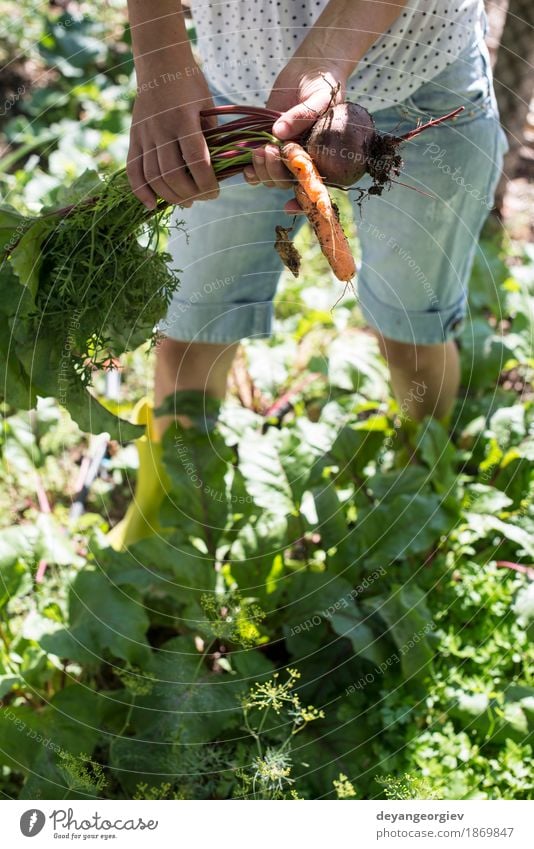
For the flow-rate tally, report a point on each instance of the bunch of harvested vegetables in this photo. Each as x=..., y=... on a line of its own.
x=86, y=280
x=341, y=147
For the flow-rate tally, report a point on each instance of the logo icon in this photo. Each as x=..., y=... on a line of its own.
x=32, y=822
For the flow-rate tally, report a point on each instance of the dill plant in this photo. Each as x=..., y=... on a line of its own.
x=80, y=284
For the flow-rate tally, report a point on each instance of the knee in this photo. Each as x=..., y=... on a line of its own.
x=191, y=363
x=409, y=356
x=172, y=351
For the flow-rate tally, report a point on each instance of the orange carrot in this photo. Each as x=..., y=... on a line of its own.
x=313, y=198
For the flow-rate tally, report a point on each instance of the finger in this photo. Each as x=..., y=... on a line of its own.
x=301, y=117
x=136, y=178
x=250, y=176
x=154, y=179
x=260, y=168
x=197, y=158
x=209, y=122
x=292, y=207
x=276, y=170
x=174, y=172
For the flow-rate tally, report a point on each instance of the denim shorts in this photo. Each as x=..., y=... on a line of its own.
x=417, y=251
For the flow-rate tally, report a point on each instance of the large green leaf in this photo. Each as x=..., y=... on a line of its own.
x=481, y=525
x=12, y=227
x=201, y=409
x=406, y=481
x=410, y=625
x=353, y=448
x=72, y=725
x=17, y=553
x=185, y=708
x=277, y=466
x=509, y=715
x=199, y=500
x=256, y=557
x=437, y=452
x=15, y=387
x=92, y=417
x=484, y=353
x=264, y=474
x=312, y=595
x=27, y=257
x=354, y=365
x=20, y=728
x=396, y=529
x=355, y=626
x=103, y=620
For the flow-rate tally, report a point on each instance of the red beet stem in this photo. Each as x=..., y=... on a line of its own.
x=240, y=110
x=231, y=129
x=433, y=123
x=239, y=148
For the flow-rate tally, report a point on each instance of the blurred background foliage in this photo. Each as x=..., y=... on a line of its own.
x=81, y=626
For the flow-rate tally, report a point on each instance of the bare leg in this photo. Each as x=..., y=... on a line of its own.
x=188, y=365
x=425, y=378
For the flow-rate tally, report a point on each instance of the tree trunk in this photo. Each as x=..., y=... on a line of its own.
x=514, y=78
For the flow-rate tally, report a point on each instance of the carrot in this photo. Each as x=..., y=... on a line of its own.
x=313, y=198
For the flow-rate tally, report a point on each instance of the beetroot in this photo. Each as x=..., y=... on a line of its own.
x=345, y=144
x=339, y=143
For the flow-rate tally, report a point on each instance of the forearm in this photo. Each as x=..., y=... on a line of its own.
x=346, y=29
x=159, y=36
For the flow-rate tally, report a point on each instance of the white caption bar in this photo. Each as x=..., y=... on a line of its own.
x=257, y=825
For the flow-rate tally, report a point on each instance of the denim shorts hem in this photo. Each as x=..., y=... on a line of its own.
x=421, y=327
x=218, y=323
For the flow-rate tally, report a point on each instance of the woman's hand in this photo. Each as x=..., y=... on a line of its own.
x=302, y=94
x=168, y=156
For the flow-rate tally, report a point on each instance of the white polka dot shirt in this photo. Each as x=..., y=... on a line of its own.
x=244, y=44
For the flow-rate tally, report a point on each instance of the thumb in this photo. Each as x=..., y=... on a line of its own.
x=301, y=117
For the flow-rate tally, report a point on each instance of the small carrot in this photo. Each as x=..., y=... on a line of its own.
x=313, y=198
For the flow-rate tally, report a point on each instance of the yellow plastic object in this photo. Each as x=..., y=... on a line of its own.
x=141, y=518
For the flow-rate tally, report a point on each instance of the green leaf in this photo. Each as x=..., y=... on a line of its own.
x=20, y=730
x=12, y=226
x=201, y=409
x=480, y=526
x=73, y=724
x=484, y=354
x=353, y=625
x=407, y=481
x=434, y=445
x=17, y=548
x=354, y=365
x=93, y=417
x=312, y=594
x=255, y=561
x=15, y=387
x=199, y=500
x=86, y=186
x=341, y=542
x=264, y=474
x=485, y=499
x=278, y=465
x=104, y=620
x=410, y=625
x=185, y=708
x=26, y=258
x=405, y=526
x=167, y=568
x=354, y=448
